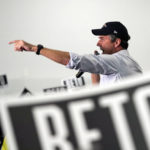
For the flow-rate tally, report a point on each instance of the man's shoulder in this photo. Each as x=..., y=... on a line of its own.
x=123, y=52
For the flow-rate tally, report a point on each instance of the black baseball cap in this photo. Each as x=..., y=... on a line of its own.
x=115, y=28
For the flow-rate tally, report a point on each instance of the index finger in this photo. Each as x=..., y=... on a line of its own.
x=12, y=42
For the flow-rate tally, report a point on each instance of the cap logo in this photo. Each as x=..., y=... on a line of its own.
x=115, y=32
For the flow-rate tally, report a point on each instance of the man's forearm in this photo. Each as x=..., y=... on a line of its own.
x=61, y=57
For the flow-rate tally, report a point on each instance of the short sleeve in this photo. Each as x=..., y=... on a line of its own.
x=99, y=64
x=74, y=62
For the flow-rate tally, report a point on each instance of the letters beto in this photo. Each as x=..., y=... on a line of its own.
x=118, y=119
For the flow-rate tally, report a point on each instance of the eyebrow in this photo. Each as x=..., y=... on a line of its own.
x=101, y=37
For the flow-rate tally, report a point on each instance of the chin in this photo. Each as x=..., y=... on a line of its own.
x=103, y=52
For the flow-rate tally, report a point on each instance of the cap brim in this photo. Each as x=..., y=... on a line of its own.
x=100, y=31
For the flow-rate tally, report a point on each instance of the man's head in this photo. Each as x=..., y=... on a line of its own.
x=113, y=36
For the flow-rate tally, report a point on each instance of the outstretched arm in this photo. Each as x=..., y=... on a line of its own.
x=61, y=57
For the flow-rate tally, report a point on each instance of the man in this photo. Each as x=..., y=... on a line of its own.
x=113, y=64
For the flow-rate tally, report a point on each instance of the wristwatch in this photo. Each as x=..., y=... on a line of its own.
x=39, y=47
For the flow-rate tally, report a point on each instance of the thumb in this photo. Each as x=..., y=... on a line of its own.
x=26, y=48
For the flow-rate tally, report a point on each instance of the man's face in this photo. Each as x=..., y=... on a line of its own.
x=105, y=44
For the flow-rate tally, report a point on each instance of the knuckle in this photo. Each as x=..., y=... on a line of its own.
x=21, y=42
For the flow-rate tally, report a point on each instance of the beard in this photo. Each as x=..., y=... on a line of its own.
x=105, y=50
x=102, y=50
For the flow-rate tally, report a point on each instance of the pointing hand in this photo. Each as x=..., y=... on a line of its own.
x=20, y=45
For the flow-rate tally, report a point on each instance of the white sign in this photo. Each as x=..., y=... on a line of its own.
x=116, y=118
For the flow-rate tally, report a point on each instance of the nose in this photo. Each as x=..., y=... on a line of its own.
x=99, y=43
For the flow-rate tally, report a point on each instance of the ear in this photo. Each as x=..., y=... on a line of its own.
x=117, y=42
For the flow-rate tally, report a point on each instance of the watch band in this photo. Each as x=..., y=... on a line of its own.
x=39, y=47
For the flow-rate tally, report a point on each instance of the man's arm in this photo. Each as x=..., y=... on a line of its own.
x=95, y=78
x=61, y=57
